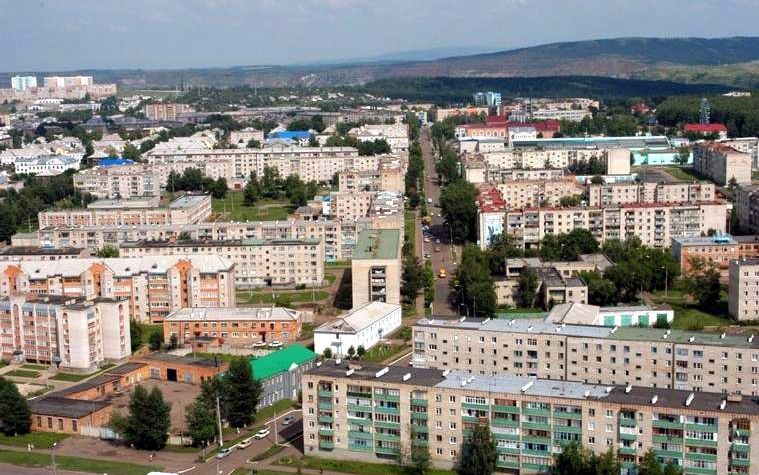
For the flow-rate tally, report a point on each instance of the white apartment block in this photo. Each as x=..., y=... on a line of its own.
x=614, y=194
x=22, y=83
x=258, y=263
x=749, y=145
x=67, y=81
x=309, y=163
x=654, y=224
x=743, y=289
x=572, y=115
x=188, y=209
x=127, y=181
x=153, y=285
x=534, y=193
x=72, y=332
x=722, y=163
x=46, y=166
x=396, y=135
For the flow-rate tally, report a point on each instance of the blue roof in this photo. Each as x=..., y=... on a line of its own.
x=291, y=134
x=115, y=162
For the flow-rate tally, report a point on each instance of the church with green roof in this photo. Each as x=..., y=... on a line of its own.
x=280, y=372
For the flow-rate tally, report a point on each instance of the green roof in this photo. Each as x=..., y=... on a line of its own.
x=280, y=361
x=378, y=244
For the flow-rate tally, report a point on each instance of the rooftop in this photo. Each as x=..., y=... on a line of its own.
x=234, y=313
x=42, y=251
x=280, y=361
x=187, y=201
x=184, y=360
x=154, y=243
x=56, y=406
x=378, y=244
x=359, y=318
x=516, y=385
x=395, y=374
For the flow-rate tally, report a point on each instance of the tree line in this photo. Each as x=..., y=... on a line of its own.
x=273, y=186
x=192, y=179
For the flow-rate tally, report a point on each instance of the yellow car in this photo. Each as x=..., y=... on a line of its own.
x=441, y=274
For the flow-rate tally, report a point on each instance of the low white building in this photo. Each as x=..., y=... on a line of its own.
x=362, y=326
x=583, y=314
x=47, y=166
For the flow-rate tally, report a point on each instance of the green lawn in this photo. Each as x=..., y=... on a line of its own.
x=250, y=471
x=382, y=352
x=76, y=377
x=349, y=466
x=307, y=331
x=683, y=173
x=76, y=464
x=41, y=440
x=272, y=450
x=264, y=210
x=148, y=329
x=23, y=373
x=330, y=278
x=34, y=367
x=339, y=264
x=296, y=296
x=278, y=407
x=688, y=316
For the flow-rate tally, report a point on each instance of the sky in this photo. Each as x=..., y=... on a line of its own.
x=53, y=35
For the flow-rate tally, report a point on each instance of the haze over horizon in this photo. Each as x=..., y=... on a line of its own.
x=166, y=34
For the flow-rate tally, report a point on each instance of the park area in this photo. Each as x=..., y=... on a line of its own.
x=232, y=208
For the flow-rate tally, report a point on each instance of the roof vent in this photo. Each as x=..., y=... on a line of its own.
x=407, y=376
x=462, y=319
x=751, y=338
x=587, y=393
x=722, y=336
x=665, y=336
x=527, y=386
x=628, y=388
x=463, y=383
x=318, y=363
x=613, y=330
x=511, y=322
x=722, y=404
x=691, y=339
x=350, y=372
x=470, y=379
x=608, y=389
x=529, y=329
x=689, y=401
x=381, y=372
x=654, y=399
x=446, y=372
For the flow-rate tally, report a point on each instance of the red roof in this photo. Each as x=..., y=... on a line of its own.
x=489, y=201
x=495, y=119
x=483, y=126
x=550, y=125
x=705, y=128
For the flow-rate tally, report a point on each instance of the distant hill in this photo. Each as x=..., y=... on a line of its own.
x=694, y=60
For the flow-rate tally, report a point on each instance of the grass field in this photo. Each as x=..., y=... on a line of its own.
x=264, y=210
x=34, y=367
x=688, y=316
x=683, y=173
x=382, y=352
x=348, y=466
x=307, y=331
x=281, y=297
x=23, y=373
x=278, y=407
x=76, y=377
x=41, y=440
x=77, y=464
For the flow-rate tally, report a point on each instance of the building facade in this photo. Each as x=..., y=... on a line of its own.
x=615, y=194
x=376, y=267
x=722, y=163
x=743, y=289
x=364, y=326
x=119, y=182
x=280, y=373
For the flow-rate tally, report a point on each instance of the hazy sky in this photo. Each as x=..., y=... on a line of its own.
x=67, y=34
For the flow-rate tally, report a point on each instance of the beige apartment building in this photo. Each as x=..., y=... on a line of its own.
x=72, y=332
x=476, y=171
x=165, y=111
x=746, y=202
x=154, y=286
x=743, y=289
x=188, y=209
x=384, y=179
x=534, y=193
x=615, y=194
x=376, y=267
x=339, y=238
x=722, y=163
x=367, y=412
x=651, y=357
x=654, y=224
x=309, y=163
x=119, y=182
x=258, y=262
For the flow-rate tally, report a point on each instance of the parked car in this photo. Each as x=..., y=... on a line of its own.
x=223, y=452
x=262, y=433
x=245, y=443
x=275, y=344
x=437, y=248
x=288, y=420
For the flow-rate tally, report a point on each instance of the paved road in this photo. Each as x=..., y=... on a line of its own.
x=7, y=469
x=443, y=258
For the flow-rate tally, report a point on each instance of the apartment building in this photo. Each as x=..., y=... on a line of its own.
x=309, y=163
x=534, y=193
x=353, y=205
x=373, y=413
x=22, y=83
x=749, y=145
x=384, y=179
x=258, y=262
x=443, y=113
x=363, y=326
x=50, y=165
x=119, y=182
x=722, y=163
x=235, y=326
x=68, y=331
x=241, y=138
x=67, y=81
x=654, y=224
x=396, y=135
x=476, y=171
x=719, y=250
x=188, y=209
x=165, y=111
x=339, y=238
x=743, y=289
x=615, y=194
x=154, y=286
x=746, y=203
x=36, y=253
x=651, y=357
x=572, y=115
x=376, y=267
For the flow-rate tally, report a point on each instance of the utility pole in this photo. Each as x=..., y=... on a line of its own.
x=218, y=418
x=52, y=453
x=276, y=437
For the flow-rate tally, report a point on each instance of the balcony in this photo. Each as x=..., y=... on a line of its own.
x=326, y=431
x=418, y=402
x=324, y=445
x=627, y=450
x=387, y=450
x=327, y=406
x=700, y=443
x=507, y=409
x=536, y=412
x=387, y=437
x=357, y=434
x=665, y=424
x=326, y=419
x=325, y=393
x=536, y=425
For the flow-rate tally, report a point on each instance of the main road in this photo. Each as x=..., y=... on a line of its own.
x=444, y=257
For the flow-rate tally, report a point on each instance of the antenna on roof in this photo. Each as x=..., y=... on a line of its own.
x=691, y=339
x=613, y=330
x=751, y=338
x=722, y=336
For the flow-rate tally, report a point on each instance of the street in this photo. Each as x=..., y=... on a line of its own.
x=442, y=259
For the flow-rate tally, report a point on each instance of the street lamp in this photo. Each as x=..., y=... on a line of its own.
x=52, y=453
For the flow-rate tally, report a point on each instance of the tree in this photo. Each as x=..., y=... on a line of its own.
x=597, y=180
x=173, y=341
x=601, y=291
x=360, y=351
x=15, y=416
x=702, y=282
x=135, y=335
x=528, y=287
x=411, y=279
x=478, y=453
x=107, y=251
x=252, y=191
x=351, y=352
x=155, y=340
x=327, y=353
x=473, y=283
x=253, y=143
x=574, y=459
x=458, y=203
x=428, y=282
x=502, y=246
x=149, y=421
x=242, y=393
x=131, y=152
x=201, y=422
x=416, y=459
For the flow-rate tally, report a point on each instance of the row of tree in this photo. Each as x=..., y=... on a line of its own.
x=273, y=186
x=192, y=179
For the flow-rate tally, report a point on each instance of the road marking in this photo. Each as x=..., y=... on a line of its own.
x=187, y=469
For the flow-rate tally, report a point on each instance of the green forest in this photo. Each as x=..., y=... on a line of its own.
x=739, y=114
